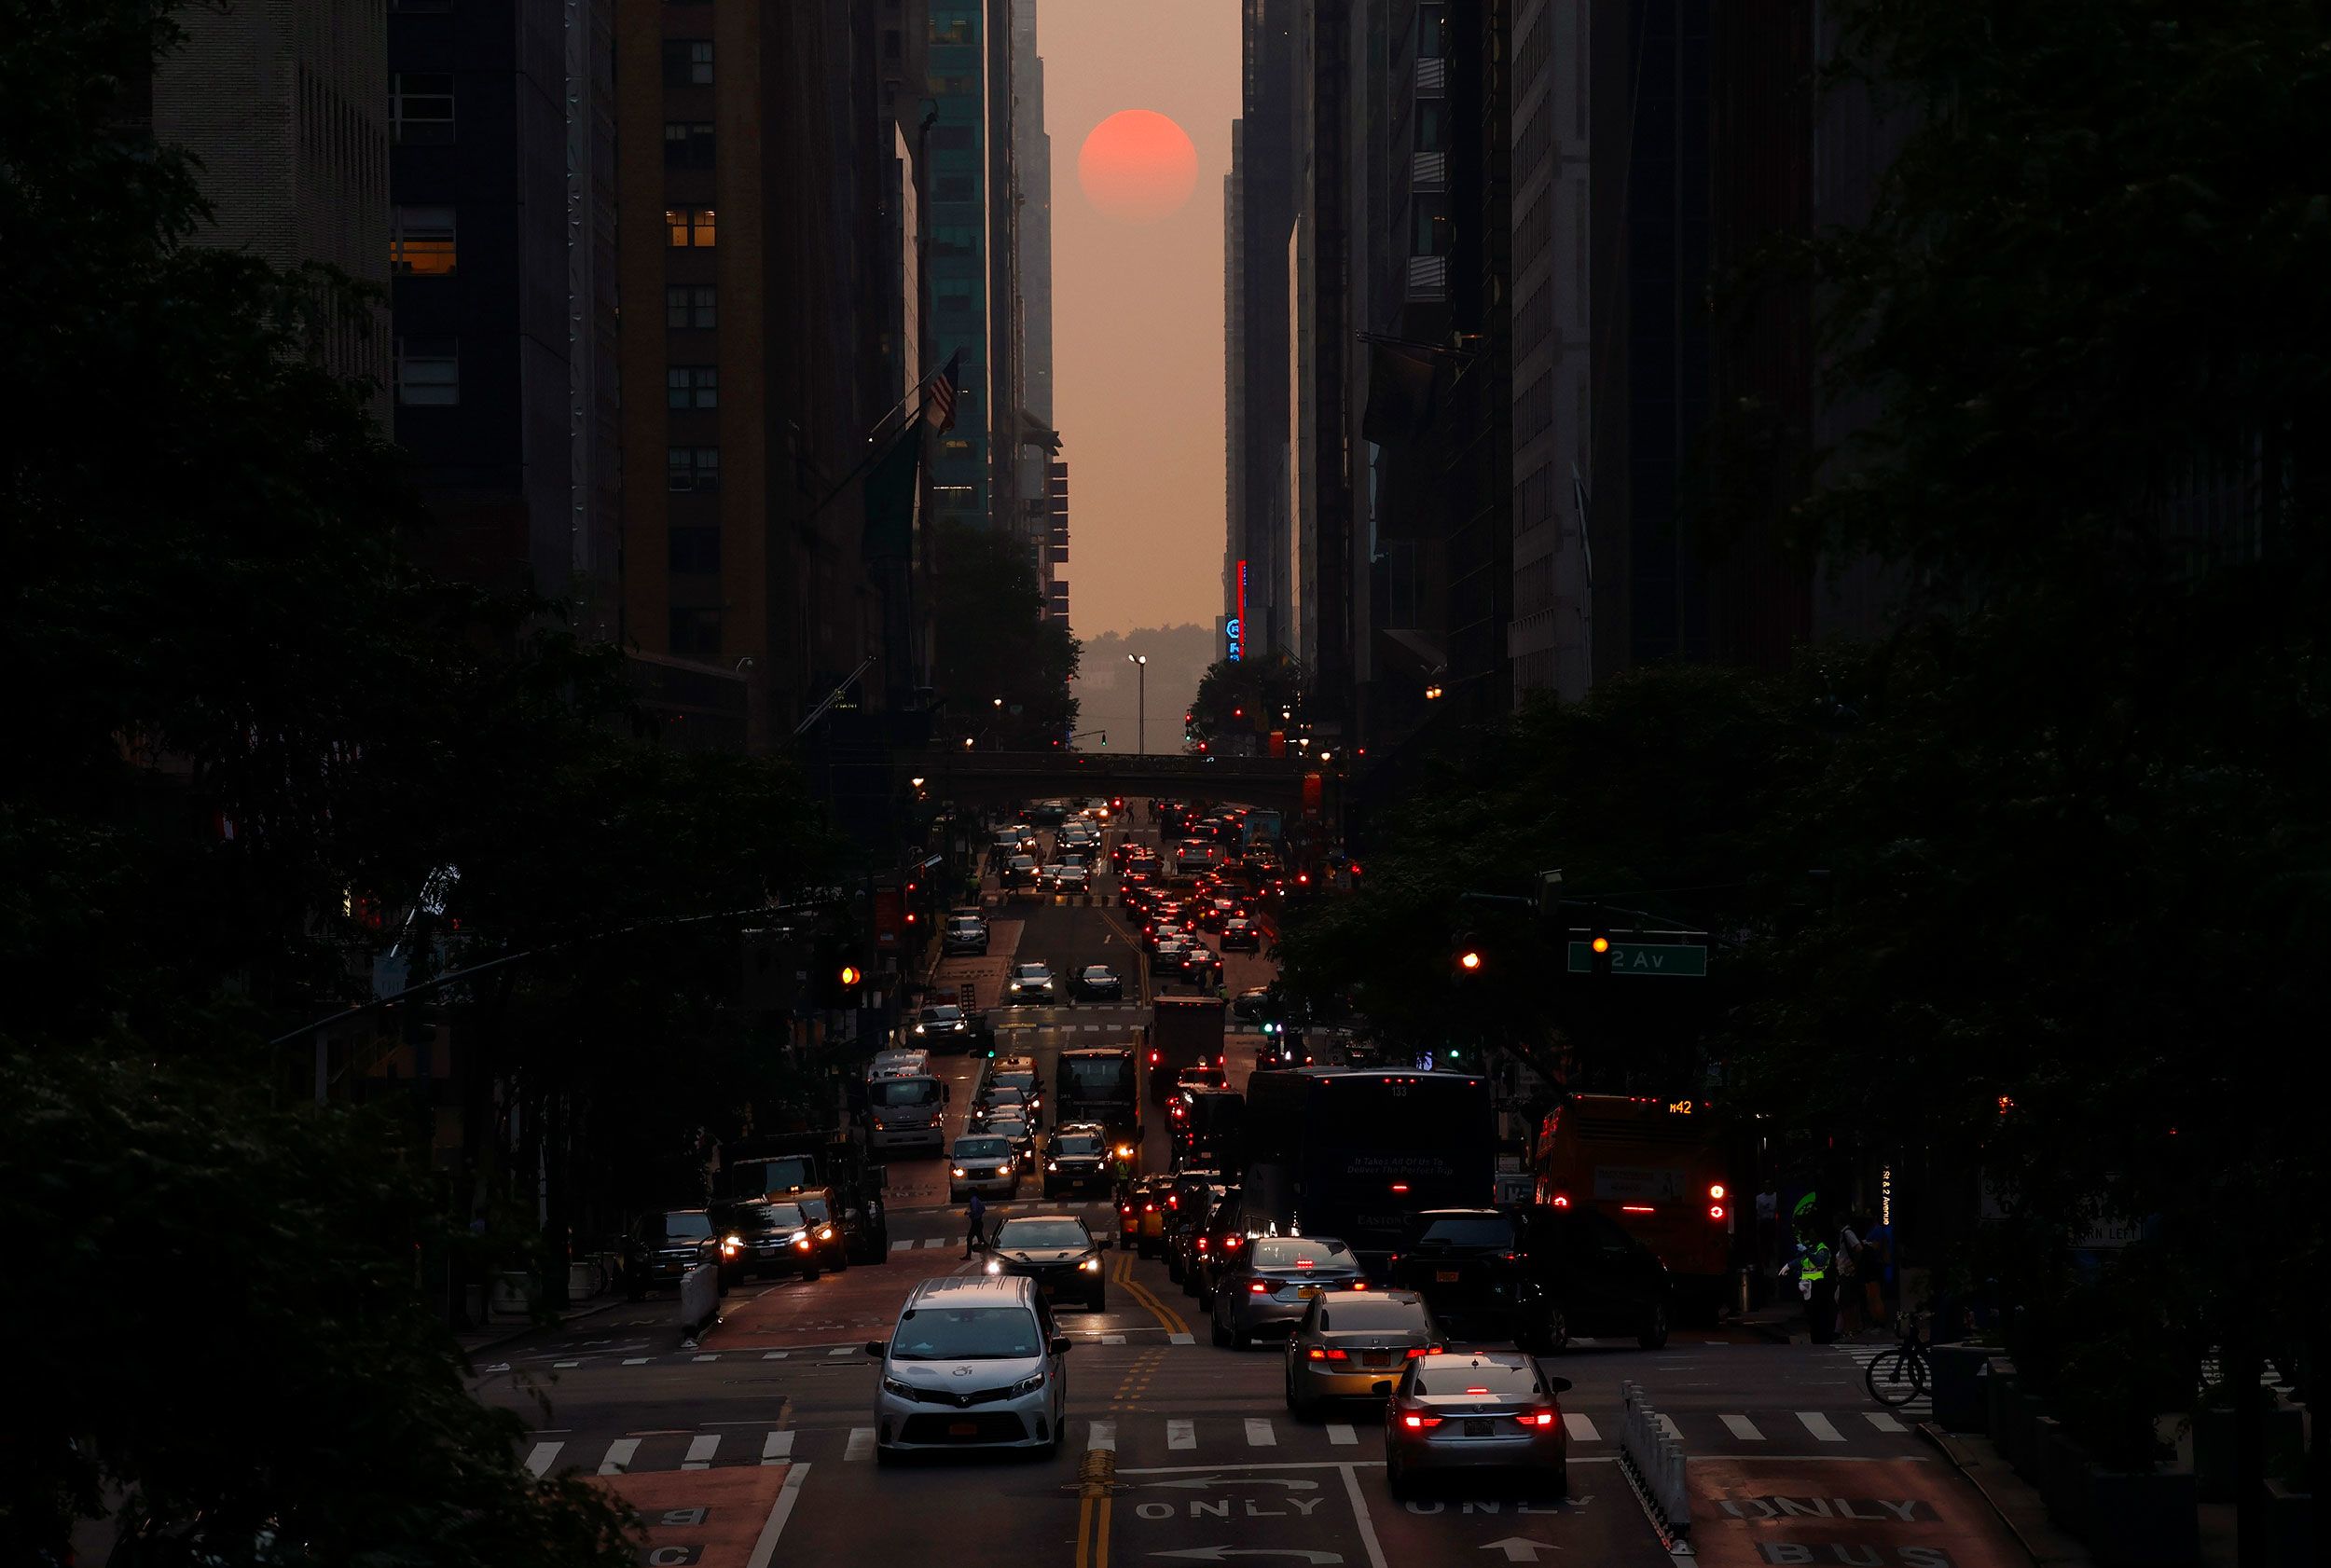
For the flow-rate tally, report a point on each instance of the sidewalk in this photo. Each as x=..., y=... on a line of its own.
x=2016, y=1500
x=491, y=1335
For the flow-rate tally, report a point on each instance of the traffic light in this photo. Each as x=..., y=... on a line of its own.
x=1598, y=944
x=850, y=975
x=1467, y=952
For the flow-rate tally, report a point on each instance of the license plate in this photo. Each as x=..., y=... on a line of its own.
x=1445, y=1277
x=963, y=1429
x=1477, y=1429
x=1305, y=1292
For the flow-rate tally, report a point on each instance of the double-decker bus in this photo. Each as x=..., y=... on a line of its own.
x=1351, y=1152
x=1662, y=1168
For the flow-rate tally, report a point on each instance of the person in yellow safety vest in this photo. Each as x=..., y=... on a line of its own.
x=1810, y=1268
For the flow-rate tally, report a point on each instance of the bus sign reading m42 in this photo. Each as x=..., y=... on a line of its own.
x=1671, y=959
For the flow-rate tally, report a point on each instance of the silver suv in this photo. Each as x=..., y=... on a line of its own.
x=972, y=1363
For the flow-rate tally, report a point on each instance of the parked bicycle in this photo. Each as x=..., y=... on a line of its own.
x=1897, y=1376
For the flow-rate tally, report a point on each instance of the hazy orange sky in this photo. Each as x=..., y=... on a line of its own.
x=1138, y=313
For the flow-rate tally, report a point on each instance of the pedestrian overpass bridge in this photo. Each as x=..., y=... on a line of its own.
x=976, y=777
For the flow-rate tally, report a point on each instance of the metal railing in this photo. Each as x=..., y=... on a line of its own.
x=1653, y=1461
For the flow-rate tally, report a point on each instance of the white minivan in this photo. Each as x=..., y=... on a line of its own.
x=973, y=1362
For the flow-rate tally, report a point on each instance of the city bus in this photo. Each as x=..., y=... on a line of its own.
x=1661, y=1169
x=1351, y=1152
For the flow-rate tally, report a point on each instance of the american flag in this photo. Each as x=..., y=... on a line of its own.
x=939, y=395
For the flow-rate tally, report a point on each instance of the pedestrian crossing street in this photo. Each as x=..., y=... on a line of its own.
x=1208, y=1439
x=1921, y=1408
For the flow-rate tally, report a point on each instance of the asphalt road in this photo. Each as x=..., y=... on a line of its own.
x=755, y=1445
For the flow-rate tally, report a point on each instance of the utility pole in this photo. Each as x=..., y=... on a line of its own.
x=1140, y=663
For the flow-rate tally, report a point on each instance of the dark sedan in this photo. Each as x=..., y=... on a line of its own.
x=662, y=1247
x=1241, y=935
x=775, y=1238
x=1098, y=982
x=1055, y=1251
x=1075, y=1161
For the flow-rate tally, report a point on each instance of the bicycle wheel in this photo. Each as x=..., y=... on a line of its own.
x=1896, y=1376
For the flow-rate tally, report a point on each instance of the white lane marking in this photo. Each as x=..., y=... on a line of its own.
x=843, y=1350
x=1820, y=1426
x=1884, y=1422
x=1341, y=1434
x=1359, y=1517
x=779, y=1511
x=932, y=1242
x=1667, y=1424
x=778, y=1447
x=701, y=1449
x=712, y=1356
x=566, y=1364
x=860, y=1443
x=619, y=1454
x=1181, y=1434
x=1741, y=1427
x=1582, y=1429
x=635, y=1360
x=543, y=1456
x=1103, y=1436
x=1113, y=1339
x=775, y=1355
x=904, y=1245
x=1259, y=1434
x=1181, y=1338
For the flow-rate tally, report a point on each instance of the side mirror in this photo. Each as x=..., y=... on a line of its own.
x=1106, y=1240
x=1062, y=1344
x=876, y=1347
x=1558, y=1385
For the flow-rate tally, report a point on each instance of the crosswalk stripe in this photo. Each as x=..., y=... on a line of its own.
x=701, y=1449
x=843, y=1350
x=543, y=1456
x=775, y=1355
x=619, y=1454
x=1821, y=1426
x=932, y=1242
x=905, y=1244
x=778, y=1447
x=1102, y=1436
x=557, y=1364
x=1667, y=1426
x=635, y=1360
x=1884, y=1422
x=1113, y=1339
x=860, y=1443
x=1181, y=1434
x=1181, y=1338
x=1341, y=1434
x=1581, y=1428
x=1259, y=1434
x=1741, y=1427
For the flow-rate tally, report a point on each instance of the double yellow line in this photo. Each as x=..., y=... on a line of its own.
x=1095, y=1476
x=1166, y=1315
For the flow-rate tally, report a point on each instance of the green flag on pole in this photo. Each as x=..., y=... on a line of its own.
x=890, y=496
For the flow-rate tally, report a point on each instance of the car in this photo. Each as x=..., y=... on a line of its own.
x=1218, y=1244
x=821, y=1211
x=1355, y=1344
x=1075, y=1161
x=1252, y=1004
x=775, y=1237
x=1166, y=959
x=660, y=1248
x=1072, y=879
x=1055, y=1253
x=1031, y=983
x=964, y=935
x=969, y=912
x=1186, y=1208
x=1021, y=872
x=1476, y=1410
x=1008, y=1099
x=1015, y=1073
x=1097, y=983
x=1050, y=873
x=984, y=1164
x=1201, y=1075
x=1241, y=935
x=1275, y=1280
x=1539, y=1272
x=943, y=1023
x=1201, y=965
x=1011, y=1126
x=904, y=1061
x=972, y=1363
x=1149, y=1197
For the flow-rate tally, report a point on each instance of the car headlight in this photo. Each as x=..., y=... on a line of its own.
x=1125, y=1151
x=1091, y=1265
x=825, y=1233
x=1029, y=1384
x=994, y=1267
x=958, y=1170
x=1052, y=1164
x=1008, y=1165
x=892, y=1385
x=918, y=1028
x=801, y=1240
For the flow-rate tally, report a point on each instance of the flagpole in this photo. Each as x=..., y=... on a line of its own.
x=873, y=443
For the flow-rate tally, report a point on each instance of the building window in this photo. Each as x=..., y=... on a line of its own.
x=687, y=63
x=692, y=386
x=421, y=242
x=693, y=468
x=695, y=634
x=428, y=372
x=693, y=552
x=421, y=108
x=689, y=227
x=955, y=187
x=687, y=144
x=691, y=306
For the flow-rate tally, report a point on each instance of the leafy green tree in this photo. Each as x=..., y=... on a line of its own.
x=1248, y=696
x=993, y=641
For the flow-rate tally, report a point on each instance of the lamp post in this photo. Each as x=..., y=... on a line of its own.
x=1140, y=663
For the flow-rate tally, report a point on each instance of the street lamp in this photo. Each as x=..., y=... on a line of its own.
x=1141, y=662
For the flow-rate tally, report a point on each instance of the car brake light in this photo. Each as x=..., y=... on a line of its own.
x=1635, y=1208
x=1231, y=1241
x=1360, y=1284
x=1148, y=1208
x=1477, y=1391
x=1561, y=1200
x=1400, y=1186
x=1201, y=1244
x=1535, y=1418
x=1415, y=1351
x=1303, y=1262
x=1258, y=1288
x=1318, y=1354
x=1419, y=1422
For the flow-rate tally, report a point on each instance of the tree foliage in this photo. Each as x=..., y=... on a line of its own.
x=1248, y=696
x=993, y=641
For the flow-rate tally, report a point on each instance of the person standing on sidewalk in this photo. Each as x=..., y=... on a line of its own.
x=975, y=1235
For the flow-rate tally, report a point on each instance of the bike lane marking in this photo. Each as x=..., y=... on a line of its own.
x=1820, y=1511
x=711, y=1519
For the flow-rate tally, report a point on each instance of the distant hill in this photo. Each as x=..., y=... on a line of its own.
x=1105, y=686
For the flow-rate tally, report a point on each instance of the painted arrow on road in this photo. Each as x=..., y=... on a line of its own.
x=1201, y=1483
x=1216, y=1554
x=1520, y=1549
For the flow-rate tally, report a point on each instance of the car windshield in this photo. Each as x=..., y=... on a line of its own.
x=1023, y=1081
x=1099, y=972
x=1494, y=1231
x=687, y=1227
x=942, y=1014
x=1373, y=1315
x=1004, y=1094
x=1474, y=1377
x=769, y=1217
x=967, y=1334
x=981, y=1149
x=1009, y=1126
x=815, y=1211
x=901, y=1093
x=1031, y=972
x=1042, y=1232
x=1279, y=1252
x=1077, y=1144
